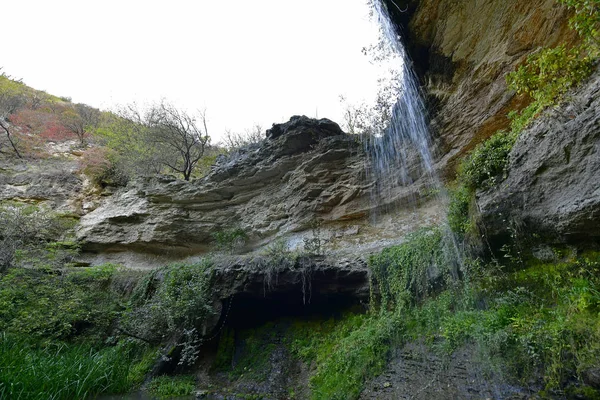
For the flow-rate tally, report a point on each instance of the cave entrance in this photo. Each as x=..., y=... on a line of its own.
x=246, y=310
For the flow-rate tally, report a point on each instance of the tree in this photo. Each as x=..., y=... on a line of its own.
x=235, y=140
x=80, y=120
x=159, y=137
x=11, y=99
x=184, y=137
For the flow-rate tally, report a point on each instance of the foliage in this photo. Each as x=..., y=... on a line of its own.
x=55, y=370
x=458, y=210
x=28, y=235
x=549, y=73
x=48, y=304
x=169, y=300
x=98, y=164
x=404, y=274
x=230, y=240
x=172, y=386
x=159, y=137
x=345, y=352
x=543, y=319
x=487, y=164
x=586, y=20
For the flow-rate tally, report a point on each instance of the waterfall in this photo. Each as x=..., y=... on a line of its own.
x=401, y=153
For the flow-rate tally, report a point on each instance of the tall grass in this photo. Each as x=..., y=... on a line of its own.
x=56, y=371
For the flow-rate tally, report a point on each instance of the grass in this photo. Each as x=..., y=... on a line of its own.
x=56, y=370
x=172, y=386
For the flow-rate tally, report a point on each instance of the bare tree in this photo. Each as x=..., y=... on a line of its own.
x=184, y=136
x=236, y=140
x=11, y=99
x=81, y=120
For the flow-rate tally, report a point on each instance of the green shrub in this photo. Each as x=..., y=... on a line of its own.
x=586, y=20
x=459, y=206
x=404, y=274
x=230, y=240
x=30, y=236
x=170, y=300
x=549, y=73
x=172, y=386
x=42, y=304
x=487, y=164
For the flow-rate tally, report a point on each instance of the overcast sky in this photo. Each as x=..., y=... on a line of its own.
x=246, y=62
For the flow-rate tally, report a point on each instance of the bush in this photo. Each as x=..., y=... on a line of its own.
x=230, y=240
x=28, y=233
x=170, y=300
x=487, y=164
x=586, y=20
x=407, y=273
x=44, y=304
x=459, y=220
x=549, y=73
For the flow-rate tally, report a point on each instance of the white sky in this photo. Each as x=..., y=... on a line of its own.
x=246, y=62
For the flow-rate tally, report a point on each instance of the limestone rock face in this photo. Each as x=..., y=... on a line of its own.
x=305, y=168
x=553, y=185
x=462, y=50
x=52, y=183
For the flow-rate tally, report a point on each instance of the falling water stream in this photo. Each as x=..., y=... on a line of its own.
x=405, y=144
x=402, y=153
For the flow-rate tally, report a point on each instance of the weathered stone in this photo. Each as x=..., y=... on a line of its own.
x=306, y=169
x=553, y=183
x=463, y=50
x=53, y=183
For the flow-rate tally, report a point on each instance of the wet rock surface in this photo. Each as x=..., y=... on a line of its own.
x=462, y=51
x=553, y=183
x=416, y=372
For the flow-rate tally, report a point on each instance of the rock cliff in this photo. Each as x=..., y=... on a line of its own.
x=553, y=183
x=462, y=51
x=305, y=170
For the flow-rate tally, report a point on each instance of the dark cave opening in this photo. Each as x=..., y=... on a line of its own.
x=245, y=311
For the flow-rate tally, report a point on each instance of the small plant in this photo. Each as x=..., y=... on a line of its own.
x=549, y=73
x=487, y=164
x=230, y=240
x=172, y=386
x=173, y=299
x=314, y=245
x=586, y=20
x=459, y=220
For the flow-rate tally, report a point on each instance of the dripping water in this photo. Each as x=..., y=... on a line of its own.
x=401, y=154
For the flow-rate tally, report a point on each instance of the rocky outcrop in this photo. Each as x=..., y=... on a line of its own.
x=305, y=169
x=553, y=183
x=462, y=51
x=53, y=183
